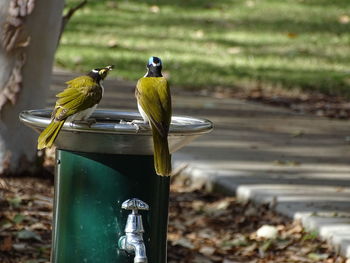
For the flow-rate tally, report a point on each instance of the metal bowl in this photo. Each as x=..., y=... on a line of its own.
x=111, y=134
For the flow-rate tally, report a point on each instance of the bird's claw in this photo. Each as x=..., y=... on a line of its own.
x=88, y=122
x=136, y=124
x=137, y=127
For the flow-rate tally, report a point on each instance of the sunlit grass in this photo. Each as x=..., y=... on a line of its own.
x=301, y=44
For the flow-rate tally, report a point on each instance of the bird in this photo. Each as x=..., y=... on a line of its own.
x=75, y=103
x=154, y=104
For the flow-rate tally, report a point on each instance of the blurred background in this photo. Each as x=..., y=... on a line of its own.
x=292, y=45
x=220, y=57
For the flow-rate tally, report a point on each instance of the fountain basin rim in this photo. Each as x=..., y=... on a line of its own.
x=108, y=121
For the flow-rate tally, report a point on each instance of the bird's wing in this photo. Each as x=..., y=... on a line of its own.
x=82, y=93
x=165, y=99
x=153, y=94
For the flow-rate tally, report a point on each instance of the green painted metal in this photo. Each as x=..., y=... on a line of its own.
x=88, y=219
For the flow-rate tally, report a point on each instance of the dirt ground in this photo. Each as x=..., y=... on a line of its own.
x=203, y=228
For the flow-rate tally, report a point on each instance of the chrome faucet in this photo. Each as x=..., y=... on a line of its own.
x=133, y=242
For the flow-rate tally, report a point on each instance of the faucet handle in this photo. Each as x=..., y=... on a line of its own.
x=135, y=204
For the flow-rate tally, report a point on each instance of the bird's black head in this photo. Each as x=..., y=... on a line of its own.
x=100, y=73
x=154, y=67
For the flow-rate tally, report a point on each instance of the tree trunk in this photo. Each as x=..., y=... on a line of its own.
x=26, y=58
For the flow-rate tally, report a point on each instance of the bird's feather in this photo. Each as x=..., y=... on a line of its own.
x=48, y=136
x=81, y=94
x=153, y=95
x=162, y=157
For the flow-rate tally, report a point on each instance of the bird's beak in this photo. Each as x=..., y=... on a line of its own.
x=104, y=71
x=109, y=67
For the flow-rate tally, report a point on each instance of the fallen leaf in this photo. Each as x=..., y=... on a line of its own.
x=18, y=218
x=230, y=261
x=207, y=251
x=3, y=184
x=112, y=43
x=20, y=246
x=250, y=3
x=201, y=259
x=265, y=247
x=239, y=240
x=234, y=50
x=198, y=34
x=5, y=224
x=344, y=19
x=198, y=205
x=297, y=228
x=154, y=9
x=292, y=35
x=27, y=234
x=223, y=204
x=310, y=236
x=6, y=244
x=267, y=231
x=250, y=211
x=184, y=242
x=249, y=250
x=317, y=256
x=298, y=133
x=38, y=226
x=111, y=5
x=15, y=202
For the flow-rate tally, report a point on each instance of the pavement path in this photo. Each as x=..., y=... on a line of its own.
x=299, y=164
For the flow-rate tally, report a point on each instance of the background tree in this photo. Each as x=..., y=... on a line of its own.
x=29, y=35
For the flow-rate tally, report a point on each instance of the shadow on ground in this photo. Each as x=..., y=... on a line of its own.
x=301, y=44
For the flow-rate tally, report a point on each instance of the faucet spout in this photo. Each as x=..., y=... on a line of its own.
x=132, y=241
x=140, y=250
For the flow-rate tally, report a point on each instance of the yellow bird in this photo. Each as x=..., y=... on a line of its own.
x=154, y=104
x=75, y=103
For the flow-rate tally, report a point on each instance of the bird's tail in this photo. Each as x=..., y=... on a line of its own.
x=162, y=157
x=49, y=135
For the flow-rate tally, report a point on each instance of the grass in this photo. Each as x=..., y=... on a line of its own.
x=296, y=44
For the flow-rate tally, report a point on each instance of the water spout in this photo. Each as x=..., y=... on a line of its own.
x=133, y=242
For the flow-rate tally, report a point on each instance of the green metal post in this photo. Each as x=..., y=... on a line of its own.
x=88, y=219
x=98, y=168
